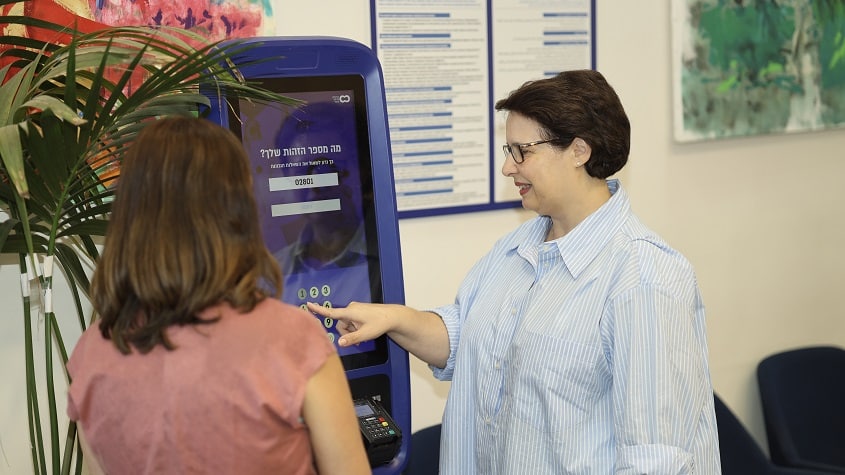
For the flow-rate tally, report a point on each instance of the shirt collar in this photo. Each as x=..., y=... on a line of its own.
x=581, y=245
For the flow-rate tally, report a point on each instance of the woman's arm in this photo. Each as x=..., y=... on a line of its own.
x=330, y=417
x=94, y=467
x=421, y=333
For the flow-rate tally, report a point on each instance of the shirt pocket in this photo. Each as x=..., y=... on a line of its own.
x=556, y=383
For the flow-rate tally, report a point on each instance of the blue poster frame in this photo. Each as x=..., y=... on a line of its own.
x=494, y=157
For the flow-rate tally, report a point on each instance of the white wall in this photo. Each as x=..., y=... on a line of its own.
x=760, y=218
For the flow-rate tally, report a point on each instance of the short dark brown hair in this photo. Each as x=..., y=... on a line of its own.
x=581, y=104
x=183, y=235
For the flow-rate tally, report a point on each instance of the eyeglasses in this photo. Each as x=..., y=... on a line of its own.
x=515, y=150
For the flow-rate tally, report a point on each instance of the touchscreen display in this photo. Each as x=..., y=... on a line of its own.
x=313, y=185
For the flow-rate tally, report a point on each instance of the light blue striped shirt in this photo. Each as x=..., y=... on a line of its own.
x=584, y=355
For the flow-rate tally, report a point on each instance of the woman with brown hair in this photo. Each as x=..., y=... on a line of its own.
x=194, y=365
x=577, y=344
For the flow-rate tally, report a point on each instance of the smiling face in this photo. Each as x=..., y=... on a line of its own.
x=544, y=179
x=552, y=181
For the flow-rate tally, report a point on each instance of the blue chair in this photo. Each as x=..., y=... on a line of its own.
x=424, y=456
x=740, y=453
x=803, y=397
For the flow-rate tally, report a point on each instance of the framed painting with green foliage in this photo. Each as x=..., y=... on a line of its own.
x=757, y=67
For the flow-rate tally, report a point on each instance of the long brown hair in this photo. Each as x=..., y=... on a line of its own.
x=183, y=235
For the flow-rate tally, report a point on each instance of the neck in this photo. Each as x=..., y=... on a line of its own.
x=592, y=198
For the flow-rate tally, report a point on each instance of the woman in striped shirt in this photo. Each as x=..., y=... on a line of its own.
x=577, y=344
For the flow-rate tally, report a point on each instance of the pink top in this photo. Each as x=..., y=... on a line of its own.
x=228, y=399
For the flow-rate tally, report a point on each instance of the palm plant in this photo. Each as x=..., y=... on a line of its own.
x=67, y=112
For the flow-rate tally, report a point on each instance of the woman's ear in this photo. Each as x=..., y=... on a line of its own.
x=581, y=151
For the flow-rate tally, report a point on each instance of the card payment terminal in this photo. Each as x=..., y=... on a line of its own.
x=382, y=437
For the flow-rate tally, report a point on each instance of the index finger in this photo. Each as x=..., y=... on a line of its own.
x=319, y=309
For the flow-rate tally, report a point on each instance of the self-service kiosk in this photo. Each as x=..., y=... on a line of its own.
x=323, y=180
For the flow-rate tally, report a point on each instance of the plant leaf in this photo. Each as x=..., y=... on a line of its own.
x=12, y=153
x=57, y=107
x=6, y=228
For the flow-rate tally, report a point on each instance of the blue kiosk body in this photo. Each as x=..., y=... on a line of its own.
x=323, y=179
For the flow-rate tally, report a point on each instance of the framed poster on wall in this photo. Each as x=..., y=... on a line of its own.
x=445, y=64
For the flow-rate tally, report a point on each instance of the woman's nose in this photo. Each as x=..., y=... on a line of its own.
x=509, y=166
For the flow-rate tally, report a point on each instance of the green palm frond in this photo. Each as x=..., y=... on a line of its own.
x=67, y=113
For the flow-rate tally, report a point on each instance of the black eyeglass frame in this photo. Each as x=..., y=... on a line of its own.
x=508, y=149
